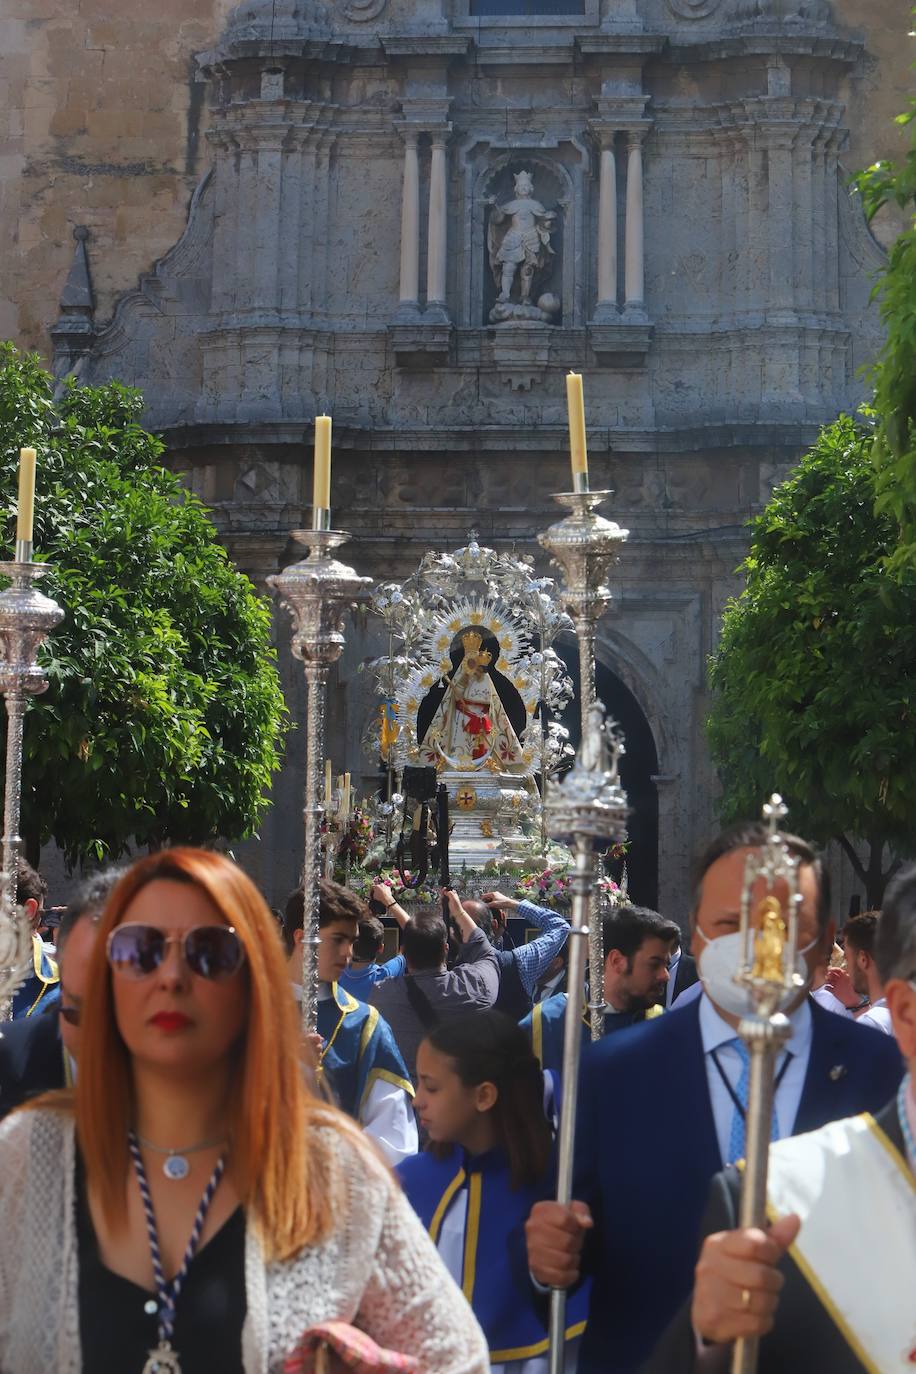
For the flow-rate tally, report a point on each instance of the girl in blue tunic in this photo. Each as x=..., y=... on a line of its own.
x=480, y=1098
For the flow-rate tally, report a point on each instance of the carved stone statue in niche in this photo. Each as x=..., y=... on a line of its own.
x=519, y=253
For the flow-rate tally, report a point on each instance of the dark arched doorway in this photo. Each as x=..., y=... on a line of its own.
x=637, y=768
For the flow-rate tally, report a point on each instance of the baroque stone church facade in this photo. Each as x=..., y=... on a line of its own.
x=355, y=245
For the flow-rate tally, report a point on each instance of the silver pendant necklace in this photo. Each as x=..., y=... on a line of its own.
x=175, y=1166
x=164, y=1359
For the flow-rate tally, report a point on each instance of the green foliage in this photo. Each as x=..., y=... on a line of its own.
x=814, y=679
x=894, y=374
x=164, y=714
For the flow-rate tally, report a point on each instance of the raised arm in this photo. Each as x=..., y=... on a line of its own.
x=381, y=892
x=464, y=924
x=534, y=957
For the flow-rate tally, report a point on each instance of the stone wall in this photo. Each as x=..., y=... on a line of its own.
x=104, y=127
x=710, y=273
x=102, y=123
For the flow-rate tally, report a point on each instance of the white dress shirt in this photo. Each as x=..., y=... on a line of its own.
x=689, y=995
x=672, y=976
x=826, y=999
x=548, y=988
x=716, y=1035
x=878, y=1017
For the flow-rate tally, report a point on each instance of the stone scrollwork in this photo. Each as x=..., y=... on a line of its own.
x=816, y=11
x=361, y=11
x=693, y=9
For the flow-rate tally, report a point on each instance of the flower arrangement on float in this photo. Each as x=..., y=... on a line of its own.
x=546, y=884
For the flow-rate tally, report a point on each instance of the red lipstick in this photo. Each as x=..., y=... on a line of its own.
x=170, y=1020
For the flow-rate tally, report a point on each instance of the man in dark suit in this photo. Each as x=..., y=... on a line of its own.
x=642, y=1175
x=637, y=943
x=759, y=1284
x=38, y=1053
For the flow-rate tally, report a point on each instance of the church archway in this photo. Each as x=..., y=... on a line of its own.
x=638, y=767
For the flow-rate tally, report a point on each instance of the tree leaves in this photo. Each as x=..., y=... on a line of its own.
x=164, y=717
x=894, y=374
x=814, y=678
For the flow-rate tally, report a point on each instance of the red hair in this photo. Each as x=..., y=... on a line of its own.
x=282, y=1174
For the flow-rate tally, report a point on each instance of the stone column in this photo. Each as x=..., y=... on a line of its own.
x=438, y=215
x=607, y=225
x=832, y=222
x=781, y=208
x=410, y=225
x=634, y=269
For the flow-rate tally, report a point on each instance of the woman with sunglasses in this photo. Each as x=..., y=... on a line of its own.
x=192, y=1207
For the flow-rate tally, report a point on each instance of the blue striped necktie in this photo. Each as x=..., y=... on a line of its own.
x=736, y=1142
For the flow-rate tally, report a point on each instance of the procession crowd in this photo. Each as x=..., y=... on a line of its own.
x=189, y=1184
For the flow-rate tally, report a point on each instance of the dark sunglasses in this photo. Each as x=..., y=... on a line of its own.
x=213, y=952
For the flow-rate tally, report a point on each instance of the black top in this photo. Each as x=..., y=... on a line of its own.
x=117, y=1334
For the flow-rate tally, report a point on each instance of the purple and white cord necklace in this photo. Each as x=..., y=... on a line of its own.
x=164, y=1360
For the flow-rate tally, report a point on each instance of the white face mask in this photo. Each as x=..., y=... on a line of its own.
x=719, y=963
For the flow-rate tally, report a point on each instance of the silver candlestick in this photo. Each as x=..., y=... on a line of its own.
x=587, y=811
x=768, y=929
x=585, y=546
x=26, y=619
x=318, y=592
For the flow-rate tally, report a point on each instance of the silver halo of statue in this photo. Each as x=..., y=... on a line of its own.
x=472, y=688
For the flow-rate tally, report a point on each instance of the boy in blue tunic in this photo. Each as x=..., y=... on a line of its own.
x=365, y=970
x=42, y=987
x=358, y=1054
x=637, y=951
x=480, y=1098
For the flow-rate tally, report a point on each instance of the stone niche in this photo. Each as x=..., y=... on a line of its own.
x=548, y=189
x=559, y=177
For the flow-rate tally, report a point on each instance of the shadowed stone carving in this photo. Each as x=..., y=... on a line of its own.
x=814, y=11
x=693, y=9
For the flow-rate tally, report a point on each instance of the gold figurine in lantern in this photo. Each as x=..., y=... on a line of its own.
x=769, y=942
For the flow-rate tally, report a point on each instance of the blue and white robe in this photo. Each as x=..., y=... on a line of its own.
x=476, y=1220
x=366, y=1071
x=42, y=987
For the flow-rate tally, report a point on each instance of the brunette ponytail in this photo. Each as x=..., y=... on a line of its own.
x=489, y=1047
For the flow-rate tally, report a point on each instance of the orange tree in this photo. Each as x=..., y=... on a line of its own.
x=814, y=678
x=164, y=716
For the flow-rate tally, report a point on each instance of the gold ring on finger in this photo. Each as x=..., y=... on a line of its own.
x=745, y=1298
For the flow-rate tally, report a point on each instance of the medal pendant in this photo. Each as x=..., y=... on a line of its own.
x=162, y=1360
x=176, y=1167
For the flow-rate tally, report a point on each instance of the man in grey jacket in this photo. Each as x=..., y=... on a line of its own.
x=413, y=1004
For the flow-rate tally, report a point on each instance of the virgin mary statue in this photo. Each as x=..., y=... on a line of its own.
x=474, y=716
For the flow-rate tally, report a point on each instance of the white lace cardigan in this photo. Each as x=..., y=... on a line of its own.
x=379, y=1270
